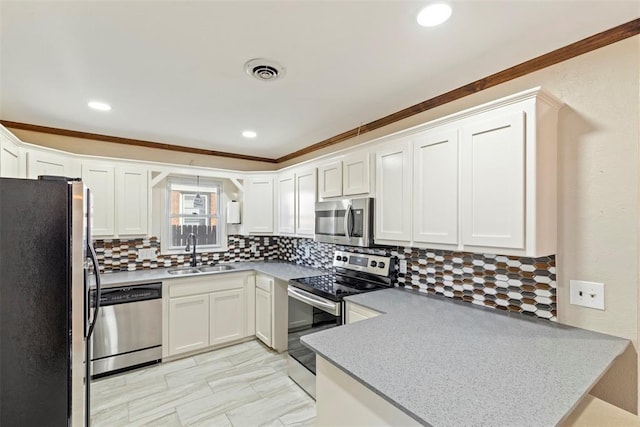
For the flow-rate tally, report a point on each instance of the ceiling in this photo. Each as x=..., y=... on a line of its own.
x=173, y=71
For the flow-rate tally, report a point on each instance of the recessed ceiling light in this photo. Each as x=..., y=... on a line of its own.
x=97, y=105
x=434, y=14
x=249, y=134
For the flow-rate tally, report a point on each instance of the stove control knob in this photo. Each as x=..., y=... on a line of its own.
x=373, y=263
x=381, y=264
x=344, y=259
x=338, y=258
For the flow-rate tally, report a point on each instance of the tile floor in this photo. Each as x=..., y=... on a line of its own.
x=242, y=385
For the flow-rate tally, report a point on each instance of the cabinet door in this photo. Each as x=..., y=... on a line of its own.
x=10, y=159
x=493, y=181
x=258, y=205
x=100, y=180
x=393, y=192
x=227, y=316
x=188, y=323
x=263, y=316
x=133, y=201
x=355, y=174
x=435, y=187
x=286, y=203
x=41, y=163
x=330, y=179
x=306, y=202
x=356, y=313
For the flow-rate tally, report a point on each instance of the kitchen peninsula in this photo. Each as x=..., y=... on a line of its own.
x=446, y=363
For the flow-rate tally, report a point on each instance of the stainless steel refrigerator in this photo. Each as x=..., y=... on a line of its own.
x=45, y=252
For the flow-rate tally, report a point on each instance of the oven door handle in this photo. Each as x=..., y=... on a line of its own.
x=314, y=301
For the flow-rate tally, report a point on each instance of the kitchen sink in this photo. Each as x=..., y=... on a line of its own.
x=181, y=271
x=219, y=267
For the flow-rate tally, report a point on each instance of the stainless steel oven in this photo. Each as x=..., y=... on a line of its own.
x=128, y=329
x=345, y=222
x=308, y=313
x=316, y=303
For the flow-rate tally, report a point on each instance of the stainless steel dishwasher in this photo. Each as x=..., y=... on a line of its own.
x=128, y=331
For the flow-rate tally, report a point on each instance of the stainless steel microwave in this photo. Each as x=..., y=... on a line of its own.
x=345, y=222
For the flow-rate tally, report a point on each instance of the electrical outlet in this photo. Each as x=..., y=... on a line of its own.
x=307, y=252
x=149, y=253
x=254, y=247
x=587, y=294
x=403, y=266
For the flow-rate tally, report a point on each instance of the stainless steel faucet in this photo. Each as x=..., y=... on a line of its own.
x=193, y=251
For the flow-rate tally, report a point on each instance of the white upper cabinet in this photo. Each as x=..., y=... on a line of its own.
x=100, y=179
x=347, y=177
x=435, y=186
x=286, y=203
x=330, y=179
x=48, y=163
x=296, y=202
x=393, y=196
x=493, y=177
x=258, y=204
x=132, y=201
x=355, y=174
x=483, y=180
x=11, y=159
x=305, y=211
x=120, y=197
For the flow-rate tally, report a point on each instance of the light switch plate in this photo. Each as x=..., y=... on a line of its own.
x=587, y=294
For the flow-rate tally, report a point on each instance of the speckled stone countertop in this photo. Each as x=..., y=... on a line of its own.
x=450, y=363
x=279, y=270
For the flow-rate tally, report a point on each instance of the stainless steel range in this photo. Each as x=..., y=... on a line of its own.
x=316, y=303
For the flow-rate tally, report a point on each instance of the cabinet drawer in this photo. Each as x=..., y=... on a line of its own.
x=205, y=284
x=265, y=283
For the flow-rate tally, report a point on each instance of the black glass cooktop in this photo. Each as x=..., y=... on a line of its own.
x=335, y=287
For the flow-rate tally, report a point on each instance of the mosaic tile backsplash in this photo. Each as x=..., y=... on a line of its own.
x=517, y=284
x=121, y=255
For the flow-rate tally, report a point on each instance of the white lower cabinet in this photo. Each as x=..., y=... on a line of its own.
x=341, y=400
x=226, y=316
x=263, y=316
x=203, y=312
x=189, y=323
x=271, y=312
x=356, y=313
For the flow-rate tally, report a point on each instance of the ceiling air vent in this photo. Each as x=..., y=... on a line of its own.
x=264, y=69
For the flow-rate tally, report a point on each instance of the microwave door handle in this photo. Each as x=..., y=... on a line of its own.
x=346, y=222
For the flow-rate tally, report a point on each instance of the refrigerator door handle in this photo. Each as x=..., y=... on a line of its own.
x=96, y=269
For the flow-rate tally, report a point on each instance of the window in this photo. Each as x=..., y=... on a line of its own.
x=193, y=208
